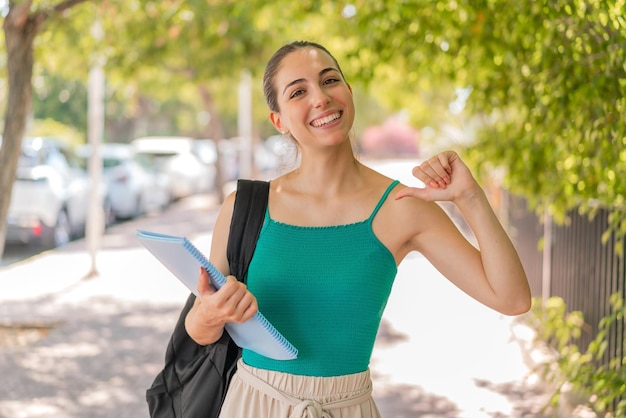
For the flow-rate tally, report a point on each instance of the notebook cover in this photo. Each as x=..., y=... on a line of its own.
x=183, y=259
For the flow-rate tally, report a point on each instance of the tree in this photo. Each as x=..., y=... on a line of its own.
x=152, y=48
x=21, y=26
x=548, y=84
x=174, y=55
x=547, y=78
x=156, y=47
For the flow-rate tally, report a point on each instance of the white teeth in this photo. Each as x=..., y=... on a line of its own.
x=327, y=119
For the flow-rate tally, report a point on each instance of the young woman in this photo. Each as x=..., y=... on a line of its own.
x=334, y=234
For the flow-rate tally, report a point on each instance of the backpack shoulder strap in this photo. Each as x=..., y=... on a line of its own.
x=245, y=226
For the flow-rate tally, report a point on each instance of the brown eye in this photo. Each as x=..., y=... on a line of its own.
x=296, y=93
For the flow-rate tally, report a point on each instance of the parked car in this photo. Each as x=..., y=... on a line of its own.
x=134, y=184
x=207, y=152
x=177, y=156
x=50, y=196
x=229, y=159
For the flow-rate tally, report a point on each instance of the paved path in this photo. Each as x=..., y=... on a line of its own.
x=90, y=347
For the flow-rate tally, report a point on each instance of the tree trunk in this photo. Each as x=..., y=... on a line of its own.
x=20, y=30
x=215, y=131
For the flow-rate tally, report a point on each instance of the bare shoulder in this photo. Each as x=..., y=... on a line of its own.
x=401, y=221
x=224, y=217
x=221, y=230
x=398, y=210
x=227, y=208
x=419, y=212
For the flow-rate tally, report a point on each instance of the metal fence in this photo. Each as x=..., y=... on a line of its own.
x=575, y=265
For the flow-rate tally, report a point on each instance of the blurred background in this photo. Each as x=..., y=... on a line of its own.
x=114, y=109
x=531, y=93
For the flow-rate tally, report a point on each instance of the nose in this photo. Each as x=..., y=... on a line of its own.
x=320, y=97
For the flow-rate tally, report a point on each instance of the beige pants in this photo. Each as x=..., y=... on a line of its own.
x=258, y=393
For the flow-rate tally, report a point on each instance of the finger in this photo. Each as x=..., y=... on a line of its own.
x=238, y=305
x=246, y=308
x=435, y=172
x=428, y=174
x=426, y=194
x=439, y=167
x=231, y=286
x=233, y=292
x=204, y=287
x=445, y=159
x=252, y=309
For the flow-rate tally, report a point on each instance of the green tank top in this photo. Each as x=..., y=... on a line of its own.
x=325, y=289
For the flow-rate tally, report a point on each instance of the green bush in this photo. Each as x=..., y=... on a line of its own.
x=588, y=375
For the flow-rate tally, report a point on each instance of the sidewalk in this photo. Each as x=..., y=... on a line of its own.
x=90, y=347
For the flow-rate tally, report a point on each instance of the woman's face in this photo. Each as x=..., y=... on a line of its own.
x=316, y=105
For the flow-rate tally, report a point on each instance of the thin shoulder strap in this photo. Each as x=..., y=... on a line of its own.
x=245, y=226
x=383, y=198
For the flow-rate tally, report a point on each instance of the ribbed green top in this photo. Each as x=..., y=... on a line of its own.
x=325, y=289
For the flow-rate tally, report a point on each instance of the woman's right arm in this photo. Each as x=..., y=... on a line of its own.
x=232, y=303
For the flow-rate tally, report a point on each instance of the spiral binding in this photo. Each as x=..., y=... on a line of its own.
x=221, y=280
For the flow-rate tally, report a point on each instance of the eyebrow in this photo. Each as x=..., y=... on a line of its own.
x=299, y=80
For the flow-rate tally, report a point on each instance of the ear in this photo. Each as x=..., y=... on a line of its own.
x=277, y=122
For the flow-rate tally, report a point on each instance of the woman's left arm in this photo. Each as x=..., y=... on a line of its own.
x=493, y=273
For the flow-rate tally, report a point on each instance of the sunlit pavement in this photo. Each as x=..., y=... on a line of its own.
x=95, y=344
x=441, y=354
x=99, y=342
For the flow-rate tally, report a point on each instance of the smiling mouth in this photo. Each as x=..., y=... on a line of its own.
x=326, y=120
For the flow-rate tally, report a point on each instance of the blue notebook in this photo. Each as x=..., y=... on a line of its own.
x=183, y=259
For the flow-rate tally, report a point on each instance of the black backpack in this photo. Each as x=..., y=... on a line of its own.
x=195, y=378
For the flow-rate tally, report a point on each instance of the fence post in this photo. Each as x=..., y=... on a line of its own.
x=546, y=266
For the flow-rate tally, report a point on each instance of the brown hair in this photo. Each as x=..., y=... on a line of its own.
x=274, y=64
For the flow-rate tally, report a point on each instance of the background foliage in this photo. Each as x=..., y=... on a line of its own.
x=580, y=375
x=548, y=83
x=547, y=78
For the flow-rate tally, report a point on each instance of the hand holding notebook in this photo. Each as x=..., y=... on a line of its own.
x=183, y=259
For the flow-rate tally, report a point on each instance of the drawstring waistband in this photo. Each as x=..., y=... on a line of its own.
x=308, y=409
x=302, y=408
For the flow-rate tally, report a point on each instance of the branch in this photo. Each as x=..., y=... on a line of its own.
x=57, y=9
x=21, y=15
x=67, y=4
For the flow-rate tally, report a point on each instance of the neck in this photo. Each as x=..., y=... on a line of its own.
x=326, y=173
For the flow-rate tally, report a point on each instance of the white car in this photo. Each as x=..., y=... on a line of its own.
x=134, y=185
x=177, y=157
x=50, y=196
